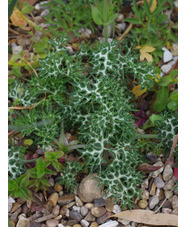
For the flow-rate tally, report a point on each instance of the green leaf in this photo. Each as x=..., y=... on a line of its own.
x=165, y=81
x=57, y=165
x=11, y=7
x=96, y=15
x=162, y=99
x=173, y=105
x=174, y=95
x=111, y=19
x=48, y=171
x=11, y=80
x=25, y=180
x=27, y=8
x=28, y=142
x=133, y=21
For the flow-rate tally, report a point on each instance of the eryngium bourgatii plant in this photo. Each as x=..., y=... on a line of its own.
x=88, y=90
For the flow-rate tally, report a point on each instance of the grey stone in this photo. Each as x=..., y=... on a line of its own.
x=153, y=201
x=145, y=183
x=166, y=210
x=154, y=174
x=75, y=215
x=174, y=201
x=23, y=221
x=84, y=211
x=169, y=185
x=159, y=182
x=90, y=217
x=76, y=208
x=99, y=202
x=15, y=215
x=120, y=17
x=168, y=194
x=101, y=220
x=123, y=221
x=167, y=173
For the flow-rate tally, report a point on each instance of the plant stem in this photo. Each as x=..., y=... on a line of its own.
x=146, y=136
x=71, y=148
x=105, y=19
x=27, y=161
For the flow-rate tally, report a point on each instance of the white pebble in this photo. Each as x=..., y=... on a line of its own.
x=61, y=225
x=45, y=13
x=37, y=6
x=167, y=55
x=109, y=224
x=122, y=26
x=78, y=209
x=120, y=17
x=16, y=49
x=116, y=209
x=67, y=212
x=89, y=31
x=81, y=30
x=85, y=223
x=165, y=68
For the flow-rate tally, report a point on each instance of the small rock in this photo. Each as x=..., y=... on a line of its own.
x=154, y=174
x=123, y=221
x=153, y=201
x=166, y=68
x=23, y=221
x=159, y=182
x=67, y=213
x=84, y=223
x=77, y=225
x=153, y=189
x=61, y=193
x=109, y=205
x=167, y=55
x=61, y=225
x=69, y=205
x=120, y=17
x=90, y=217
x=81, y=30
x=53, y=198
x=145, y=184
x=167, y=173
x=175, y=211
x=11, y=201
x=89, y=31
x=78, y=201
x=58, y=187
x=143, y=204
x=174, y=49
x=58, y=217
x=152, y=158
x=45, y=218
x=98, y=211
x=75, y=215
x=37, y=6
x=160, y=193
x=166, y=210
x=101, y=220
x=52, y=223
x=78, y=209
x=89, y=205
x=85, y=35
x=110, y=224
x=63, y=210
x=45, y=13
x=15, y=215
x=55, y=210
x=168, y=194
x=36, y=215
x=169, y=185
x=145, y=194
x=116, y=209
x=99, y=202
x=94, y=224
x=16, y=49
x=166, y=204
x=122, y=26
x=88, y=189
x=174, y=201
x=84, y=211
x=66, y=199
x=72, y=222
x=25, y=209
